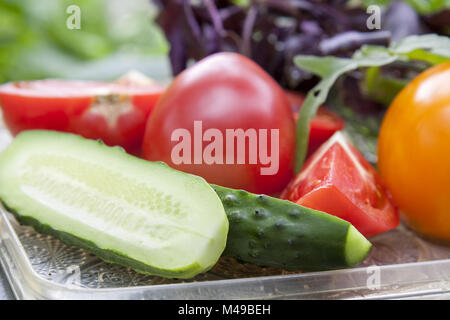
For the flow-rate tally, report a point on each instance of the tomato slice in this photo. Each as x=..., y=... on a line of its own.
x=323, y=125
x=337, y=180
x=116, y=113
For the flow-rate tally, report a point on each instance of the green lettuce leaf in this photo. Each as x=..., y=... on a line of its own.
x=431, y=48
x=421, y=6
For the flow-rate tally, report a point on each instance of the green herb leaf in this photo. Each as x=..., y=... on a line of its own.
x=380, y=88
x=429, y=48
x=421, y=6
x=242, y=3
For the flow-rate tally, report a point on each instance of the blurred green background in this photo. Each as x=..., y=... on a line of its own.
x=114, y=37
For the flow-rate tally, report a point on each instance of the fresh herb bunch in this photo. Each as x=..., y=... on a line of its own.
x=273, y=32
x=430, y=49
x=309, y=45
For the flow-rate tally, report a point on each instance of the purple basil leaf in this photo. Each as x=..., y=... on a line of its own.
x=402, y=21
x=273, y=32
x=352, y=40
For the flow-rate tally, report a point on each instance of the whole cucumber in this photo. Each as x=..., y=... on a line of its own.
x=271, y=232
x=157, y=220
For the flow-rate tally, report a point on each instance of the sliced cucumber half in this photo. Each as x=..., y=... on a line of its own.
x=140, y=214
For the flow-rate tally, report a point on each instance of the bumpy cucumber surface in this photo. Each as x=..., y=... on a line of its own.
x=278, y=233
x=129, y=211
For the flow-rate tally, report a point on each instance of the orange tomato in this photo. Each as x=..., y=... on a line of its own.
x=414, y=152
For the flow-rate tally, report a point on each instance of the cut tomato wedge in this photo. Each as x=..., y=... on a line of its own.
x=322, y=126
x=337, y=180
x=116, y=112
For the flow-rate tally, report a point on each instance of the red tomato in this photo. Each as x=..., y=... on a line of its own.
x=337, y=180
x=113, y=112
x=226, y=91
x=322, y=126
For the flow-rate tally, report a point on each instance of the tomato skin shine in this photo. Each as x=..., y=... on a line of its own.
x=414, y=152
x=225, y=91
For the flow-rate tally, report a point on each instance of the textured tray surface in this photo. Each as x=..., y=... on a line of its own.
x=73, y=268
x=60, y=263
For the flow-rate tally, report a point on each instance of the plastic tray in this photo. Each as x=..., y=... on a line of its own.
x=400, y=266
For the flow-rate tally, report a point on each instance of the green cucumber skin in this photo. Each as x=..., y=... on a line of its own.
x=106, y=255
x=10, y=201
x=282, y=234
x=262, y=230
x=271, y=232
